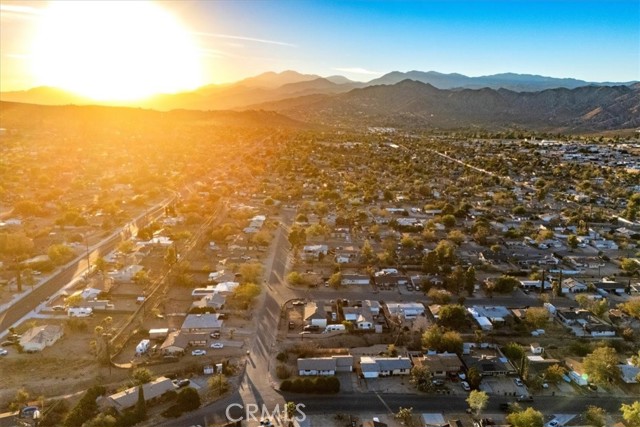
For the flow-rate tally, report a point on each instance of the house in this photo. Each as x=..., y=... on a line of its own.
x=374, y=367
x=126, y=274
x=599, y=329
x=488, y=361
x=630, y=374
x=536, y=348
x=571, y=317
x=374, y=306
x=317, y=366
x=534, y=284
x=215, y=301
x=314, y=316
x=605, y=287
x=361, y=317
x=391, y=280
x=152, y=391
x=406, y=311
x=573, y=286
x=39, y=337
x=496, y=314
x=576, y=371
x=202, y=323
x=440, y=365
x=314, y=252
x=177, y=342
x=325, y=365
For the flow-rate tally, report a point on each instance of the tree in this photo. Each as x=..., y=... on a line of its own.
x=470, y=280
x=141, y=376
x=290, y=411
x=430, y=263
x=335, y=280
x=141, y=404
x=60, y=254
x=506, y=284
x=602, y=365
x=421, y=378
x=453, y=316
x=526, y=418
x=432, y=338
x=473, y=377
x=188, y=399
x=218, y=384
x=439, y=296
x=456, y=236
x=296, y=279
x=251, y=272
x=448, y=221
x=572, y=241
x=514, y=351
x=477, y=401
x=171, y=255
x=536, y=317
x=554, y=373
x=629, y=265
x=631, y=414
x=101, y=420
x=405, y=416
x=366, y=253
x=595, y=416
x=631, y=307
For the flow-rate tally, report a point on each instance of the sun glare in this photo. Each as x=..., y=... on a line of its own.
x=112, y=50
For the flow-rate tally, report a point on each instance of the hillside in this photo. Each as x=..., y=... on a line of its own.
x=414, y=104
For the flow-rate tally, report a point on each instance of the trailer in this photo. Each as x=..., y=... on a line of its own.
x=80, y=312
x=158, y=334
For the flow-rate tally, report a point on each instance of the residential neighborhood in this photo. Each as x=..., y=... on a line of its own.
x=442, y=267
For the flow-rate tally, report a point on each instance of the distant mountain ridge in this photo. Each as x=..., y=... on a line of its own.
x=429, y=99
x=411, y=103
x=511, y=81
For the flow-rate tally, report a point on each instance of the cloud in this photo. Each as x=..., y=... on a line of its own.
x=250, y=39
x=357, y=70
x=19, y=11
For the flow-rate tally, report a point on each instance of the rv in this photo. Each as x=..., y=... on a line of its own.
x=333, y=328
x=199, y=293
x=158, y=334
x=80, y=312
x=142, y=347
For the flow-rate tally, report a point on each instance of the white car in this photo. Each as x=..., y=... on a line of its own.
x=3, y=352
x=465, y=386
x=198, y=352
x=217, y=345
x=518, y=382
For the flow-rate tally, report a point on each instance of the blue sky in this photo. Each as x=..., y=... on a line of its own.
x=591, y=40
x=587, y=39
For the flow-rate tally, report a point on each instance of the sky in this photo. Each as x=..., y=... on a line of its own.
x=362, y=40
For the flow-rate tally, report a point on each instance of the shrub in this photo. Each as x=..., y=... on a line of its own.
x=282, y=372
x=286, y=385
x=282, y=357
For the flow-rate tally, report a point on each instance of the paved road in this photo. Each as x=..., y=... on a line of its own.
x=29, y=302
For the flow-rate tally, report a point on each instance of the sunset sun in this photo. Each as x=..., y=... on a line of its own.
x=114, y=50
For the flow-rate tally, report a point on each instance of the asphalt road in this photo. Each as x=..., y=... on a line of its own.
x=77, y=267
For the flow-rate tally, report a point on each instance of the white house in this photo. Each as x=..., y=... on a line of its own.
x=374, y=367
x=39, y=337
x=314, y=252
x=355, y=279
x=317, y=366
x=573, y=286
x=407, y=310
x=152, y=391
x=314, y=316
x=125, y=274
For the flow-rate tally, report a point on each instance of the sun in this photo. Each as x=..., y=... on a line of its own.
x=112, y=50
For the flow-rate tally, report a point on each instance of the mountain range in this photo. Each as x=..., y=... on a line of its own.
x=414, y=98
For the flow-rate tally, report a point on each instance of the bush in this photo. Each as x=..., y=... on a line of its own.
x=282, y=357
x=282, y=372
x=320, y=385
x=286, y=385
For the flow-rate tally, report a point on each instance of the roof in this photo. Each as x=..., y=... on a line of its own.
x=385, y=363
x=317, y=364
x=445, y=362
x=41, y=334
x=202, y=321
x=311, y=312
x=128, y=398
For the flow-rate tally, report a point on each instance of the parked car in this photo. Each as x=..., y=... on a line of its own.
x=437, y=383
x=57, y=308
x=298, y=303
x=518, y=382
x=181, y=383
x=3, y=352
x=465, y=386
x=198, y=352
x=215, y=335
x=525, y=398
x=27, y=411
x=292, y=325
x=217, y=345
